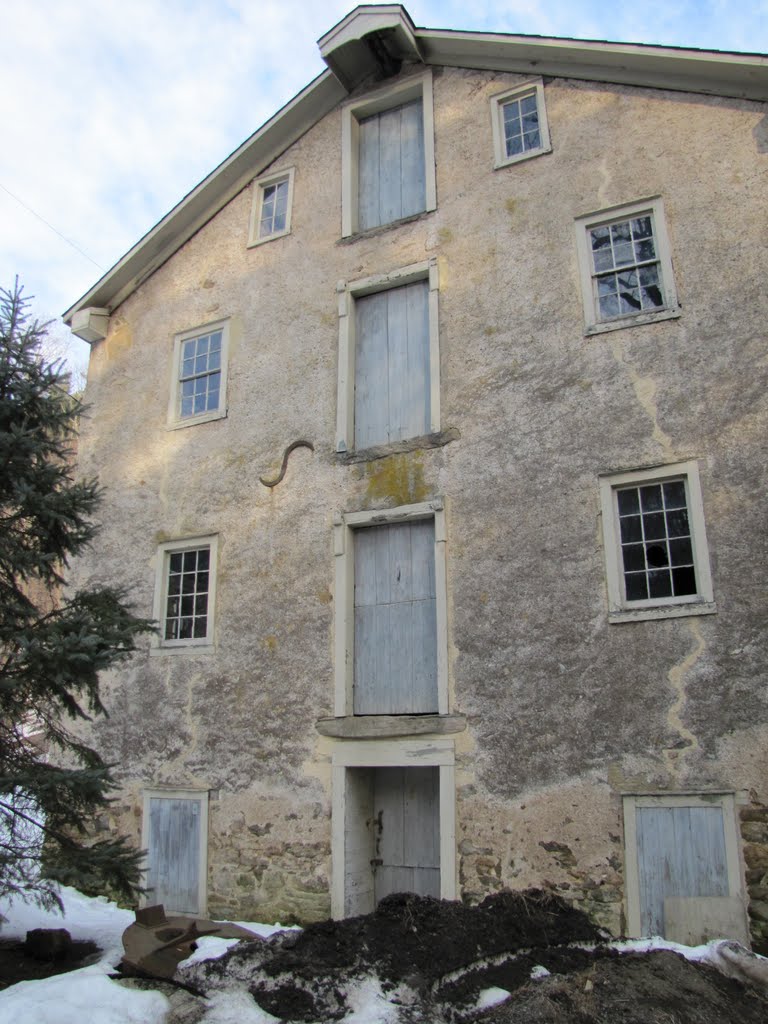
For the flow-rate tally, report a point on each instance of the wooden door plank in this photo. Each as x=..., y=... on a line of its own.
x=399, y=414
x=415, y=383
x=390, y=166
x=174, y=853
x=368, y=173
x=371, y=371
x=414, y=192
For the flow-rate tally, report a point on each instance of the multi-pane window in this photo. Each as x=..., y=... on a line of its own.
x=187, y=592
x=655, y=543
x=200, y=374
x=521, y=125
x=271, y=212
x=274, y=209
x=519, y=120
x=626, y=266
x=199, y=379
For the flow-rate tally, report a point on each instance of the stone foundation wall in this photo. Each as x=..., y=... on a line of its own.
x=754, y=837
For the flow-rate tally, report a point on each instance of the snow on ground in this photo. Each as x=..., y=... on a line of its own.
x=491, y=997
x=79, y=996
x=88, y=994
x=84, y=918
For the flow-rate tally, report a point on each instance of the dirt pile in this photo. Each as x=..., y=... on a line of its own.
x=433, y=958
x=435, y=950
x=647, y=988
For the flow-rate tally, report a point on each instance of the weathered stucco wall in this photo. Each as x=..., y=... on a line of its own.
x=565, y=712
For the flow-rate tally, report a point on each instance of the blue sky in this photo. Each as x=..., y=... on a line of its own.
x=121, y=108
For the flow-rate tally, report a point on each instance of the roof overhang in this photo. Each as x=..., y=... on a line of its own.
x=211, y=195
x=372, y=42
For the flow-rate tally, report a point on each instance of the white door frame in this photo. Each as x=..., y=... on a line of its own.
x=631, y=802
x=438, y=753
x=201, y=796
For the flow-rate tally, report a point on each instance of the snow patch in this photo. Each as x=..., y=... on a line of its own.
x=235, y=1006
x=84, y=995
x=85, y=917
x=491, y=997
x=369, y=1004
x=539, y=971
x=209, y=947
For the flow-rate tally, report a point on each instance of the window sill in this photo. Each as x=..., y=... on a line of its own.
x=254, y=242
x=188, y=649
x=192, y=421
x=380, y=451
x=356, y=727
x=632, y=321
x=381, y=228
x=520, y=157
x=669, y=611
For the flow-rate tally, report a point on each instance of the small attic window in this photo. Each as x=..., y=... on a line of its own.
x=271, y=209
x=519, y=120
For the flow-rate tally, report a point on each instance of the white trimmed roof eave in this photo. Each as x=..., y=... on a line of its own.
x=212, y=194
x=363, y=45
x=736, y=75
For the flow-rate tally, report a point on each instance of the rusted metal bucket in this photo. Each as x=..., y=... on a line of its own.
x=156, y=944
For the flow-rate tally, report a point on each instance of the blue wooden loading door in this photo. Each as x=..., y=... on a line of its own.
x=395, y=660
x=392, y=379
x=406, y=804
x=391, y=178
x=173, y=874
x=680, y=853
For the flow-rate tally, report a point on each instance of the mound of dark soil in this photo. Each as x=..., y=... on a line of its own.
x=648, y=988
x=16, y=963
x=433, y=958
x=409, y=939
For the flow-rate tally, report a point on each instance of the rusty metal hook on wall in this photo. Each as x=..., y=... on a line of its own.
x=288, y=450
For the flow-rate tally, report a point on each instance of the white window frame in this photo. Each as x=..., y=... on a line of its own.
x=632, y=874
x=621, y=610
x=393, y=754
x=654, y=208
x=534, y=87
x=344, y=603
x=167, y=793
x=347, y=293
x=259, y=187
x=162, y=560
x=417, y=87
x=175, y=419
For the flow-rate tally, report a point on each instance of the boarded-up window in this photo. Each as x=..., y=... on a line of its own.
x=392, y=373
x=391, y=181
x=173, y=853
x=395, y=646
x=680, y=853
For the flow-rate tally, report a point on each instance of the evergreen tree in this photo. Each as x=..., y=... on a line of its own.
x=53, y=643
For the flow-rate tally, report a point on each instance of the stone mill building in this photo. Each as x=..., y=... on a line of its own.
x=433, y=431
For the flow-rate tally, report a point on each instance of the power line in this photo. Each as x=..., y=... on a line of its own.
x=63, y=237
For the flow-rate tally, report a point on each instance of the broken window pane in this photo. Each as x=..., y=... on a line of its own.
x=656, y=545
x=627, y=246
